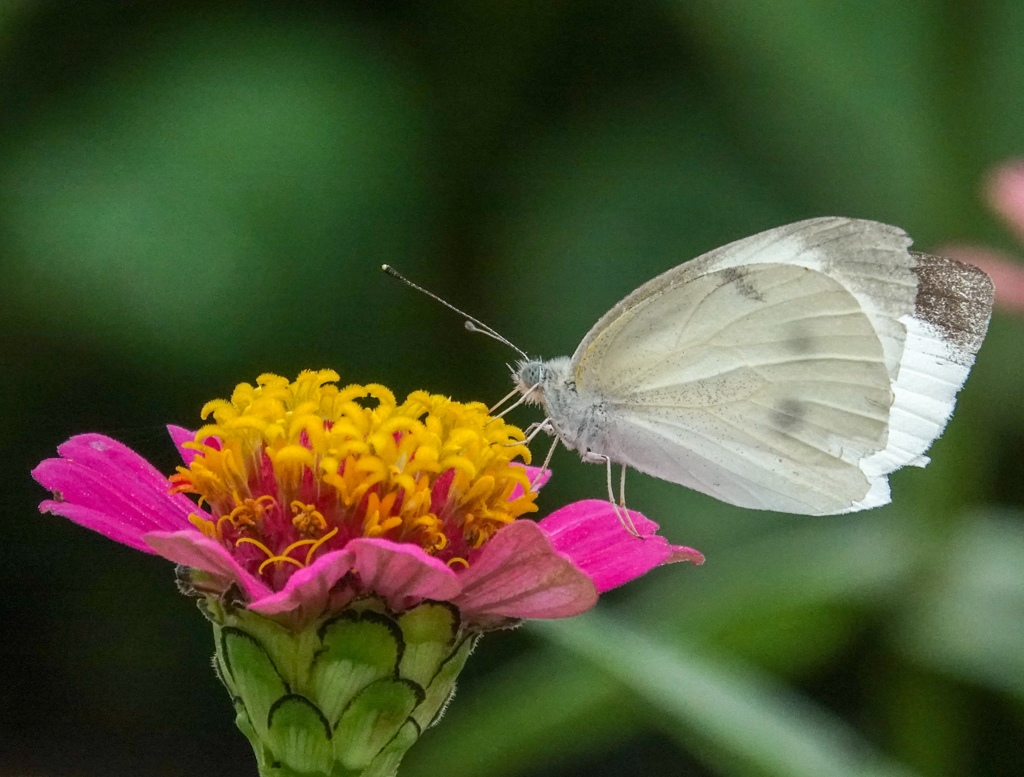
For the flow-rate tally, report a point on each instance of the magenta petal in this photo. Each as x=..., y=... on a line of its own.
x=107, y=487
x=180, y=435
x=110, y=527
x=193, y=549
x=401, y=573
x=309, y=587
x=590, y=533
x=518, y=574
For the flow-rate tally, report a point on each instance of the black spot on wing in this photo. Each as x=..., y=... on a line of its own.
x=789, y=415
x=800, y=341
x=739, y=278
x=954, y=297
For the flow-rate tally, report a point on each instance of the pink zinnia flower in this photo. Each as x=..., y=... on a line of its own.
x=1005, y=194
x=309, y=498
x=348, y=551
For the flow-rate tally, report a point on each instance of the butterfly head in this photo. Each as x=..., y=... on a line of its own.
x=533, y=376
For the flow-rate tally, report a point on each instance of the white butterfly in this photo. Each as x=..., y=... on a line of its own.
x=791, y=371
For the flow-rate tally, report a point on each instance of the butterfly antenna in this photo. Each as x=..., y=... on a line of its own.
x=472, y=324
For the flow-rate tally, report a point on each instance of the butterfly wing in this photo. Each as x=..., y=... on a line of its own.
x=792, y=370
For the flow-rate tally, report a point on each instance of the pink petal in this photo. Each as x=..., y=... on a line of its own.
x=518, y=574
x=180, y=435
x=107, y=487
x=1005, y=193
x=193, y=549
x=538, y=477
x=1007, y=275
x=110, y=527
x=590, y=533
x=309, y=587
x=401, y=573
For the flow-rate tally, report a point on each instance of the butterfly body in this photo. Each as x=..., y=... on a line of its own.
x=792, y=370
x=578, y=419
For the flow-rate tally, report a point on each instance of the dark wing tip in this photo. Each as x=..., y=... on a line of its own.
x=954, y=297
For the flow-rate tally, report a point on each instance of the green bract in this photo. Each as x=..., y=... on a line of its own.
x=345, y=695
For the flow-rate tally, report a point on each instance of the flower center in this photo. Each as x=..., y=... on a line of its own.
x=292, y=469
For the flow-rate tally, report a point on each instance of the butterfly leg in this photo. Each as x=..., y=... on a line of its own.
x=622, y=488
x=620, y=508
x=532, y=431
x=536, y=428
x=544, y=466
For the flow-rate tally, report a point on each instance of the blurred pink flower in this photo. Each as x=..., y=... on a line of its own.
x=1004, y=191
x=408, y=536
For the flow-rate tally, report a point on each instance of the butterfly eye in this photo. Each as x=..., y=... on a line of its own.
x=529, y=374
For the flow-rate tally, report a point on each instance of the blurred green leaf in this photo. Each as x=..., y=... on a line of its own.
x=517, y=720
x=864, y=559
x=970, y=623
x=733, y=716
x=791, y=599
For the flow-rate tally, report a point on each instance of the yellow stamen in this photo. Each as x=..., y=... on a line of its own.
x=257, y=543
x=318, y=543
x=208, y=528
x=220, y=525
x=308, y=520
x=283, y=557
x=248, y=514
x=278, y=560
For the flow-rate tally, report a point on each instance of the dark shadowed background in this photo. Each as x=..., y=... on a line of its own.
x=192, y=193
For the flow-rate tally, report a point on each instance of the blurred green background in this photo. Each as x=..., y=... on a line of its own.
x=192, y=193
